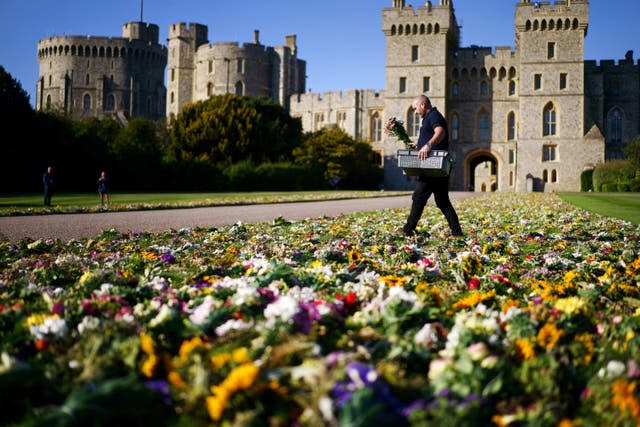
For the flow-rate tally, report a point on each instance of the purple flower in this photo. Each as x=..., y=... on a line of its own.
x=162, y=388
x=58, y=308
x=167, y=258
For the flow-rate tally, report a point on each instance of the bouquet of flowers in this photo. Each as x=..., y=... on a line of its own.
x=396, y=128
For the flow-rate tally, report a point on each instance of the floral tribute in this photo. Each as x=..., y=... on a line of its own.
x=396, y=128
x=531, y=319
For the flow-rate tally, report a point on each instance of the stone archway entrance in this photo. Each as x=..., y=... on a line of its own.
x=482, y=173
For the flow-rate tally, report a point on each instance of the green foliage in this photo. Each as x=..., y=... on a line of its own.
x=607, y=176
x=586, y=180
x=339, y=158
x=245, y=175
x=14, y=100
x=227, y=129
x=633, y=154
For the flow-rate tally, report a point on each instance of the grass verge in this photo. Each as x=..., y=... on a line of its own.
x=618, y=205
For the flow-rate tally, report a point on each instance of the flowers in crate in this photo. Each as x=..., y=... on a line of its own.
x=396, y=128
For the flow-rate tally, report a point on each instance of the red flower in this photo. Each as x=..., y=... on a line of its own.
x=473, y=283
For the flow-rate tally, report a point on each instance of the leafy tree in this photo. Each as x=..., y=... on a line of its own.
x=633, y=153
x=342, y=160
x=227, y=129
x=14, y=101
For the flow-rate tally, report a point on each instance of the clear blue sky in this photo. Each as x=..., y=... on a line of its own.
x=341, y=40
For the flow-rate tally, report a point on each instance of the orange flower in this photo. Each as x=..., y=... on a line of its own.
x=393, y=280
x=525, y=350
x=624, y=398
x=548, y=336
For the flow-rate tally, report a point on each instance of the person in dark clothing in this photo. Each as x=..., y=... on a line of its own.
x=47, y=180
x=433, y=135
x=103, y=189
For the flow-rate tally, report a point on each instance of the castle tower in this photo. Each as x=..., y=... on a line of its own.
x=550, y=45
x=418, y=43
x=183, y=40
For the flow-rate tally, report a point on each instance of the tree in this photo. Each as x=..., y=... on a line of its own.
x=633, y=153
x=342, y=160
x=227, y=129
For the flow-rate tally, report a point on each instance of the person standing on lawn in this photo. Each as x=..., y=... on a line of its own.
x=433, y=136
x=103, y=189
x=47, y=181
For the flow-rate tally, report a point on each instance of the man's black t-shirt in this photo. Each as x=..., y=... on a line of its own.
x=432, y=120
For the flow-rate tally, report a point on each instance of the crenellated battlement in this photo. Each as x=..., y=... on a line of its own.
x=191, y=31
x=610, y=65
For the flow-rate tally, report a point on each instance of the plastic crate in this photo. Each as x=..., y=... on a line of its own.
x=438, y=163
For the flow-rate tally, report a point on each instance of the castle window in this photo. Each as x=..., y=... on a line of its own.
x=49, y=80
x=376, y=127
x=110, y=103
x=393, y=30
x=554, y=175
x=400, y=30
x=113, y=65
x=48, y=102
x=87, y=79
x=549, y=120
x=545, y=175
x=240, y=66
x=422, y=29
x=173, y=74
x=512, y=87
x=484, y=88
x=455, y=127
x=318, y=121
x=342, y=119
x=209, y=89
x=210, y=67
x=402, y=86
x=149, y=105
x=511, y=126
x=551, y=50
x=239, y=88
x=512, y=156
x=413, y=122
x=172, y=98
x=614, y=126
x=548, y=153
x=537, y=81
x=426, y=83
x=575, y=24
x=414, y=53
x=455, y=89
x=436, y=29
x=563, y=80
x=483, y=126
x=511, y=179
x=86, y=102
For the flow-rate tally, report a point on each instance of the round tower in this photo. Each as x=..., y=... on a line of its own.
x=87, y=77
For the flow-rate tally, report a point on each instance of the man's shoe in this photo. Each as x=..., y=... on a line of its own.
x=405, y=233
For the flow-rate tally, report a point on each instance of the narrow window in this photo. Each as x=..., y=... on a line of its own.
x=549, y=120
x=403, y=85
x=86, y=102
x=426, y=84
x=484, y=88
x=455, y=89
x=614, y=130
x=537, y=81
x=173, y=74
x=563, y=80
x=240, y=66
x=413, y=122
x=376, y=127
x=512, y=157
x=551, y=50
x=455, y=127
x=483, y=126
x=210, y=66
x=414, y=53
x=209, y=89
x=342, y=119
x=545, y=176
x=87, y=79
x=511, y=126
x=239, y=88
x=554, y=176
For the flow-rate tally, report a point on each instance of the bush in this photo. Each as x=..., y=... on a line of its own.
x=622, y=187
x=634, y=185
x=607, y=188
x=586, y=180
x=245, y=176
x=612, y=172
x=192, y=175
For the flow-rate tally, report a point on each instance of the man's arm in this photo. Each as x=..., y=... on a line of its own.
x=438, y=135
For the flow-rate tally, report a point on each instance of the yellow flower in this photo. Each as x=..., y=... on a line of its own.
x=149, y=255
x=524, y=348
x=240, y=355
x=176, y=380
x=241, y=377
x=149, y=366
x=473, y=299
x=587, y=341
x=570, y=277
x=188, y=346
x=219, y=360
x=570, y=305
x=566, y=422
x=548, y=336
x=215, y=405
x=354, y=256
x=37, y=319
x=393, y=280
x=146, y=343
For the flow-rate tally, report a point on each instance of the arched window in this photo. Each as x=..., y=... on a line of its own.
x=209, y=89
x=455, y=89
x=393, y=30
x=484, y=88
x=483, y=126
x=554, y=175
x=86, y=102
x=413, y=122
x=545, y=176
x=239, y=88
x=375, y=124
x=511, y=179
x=549, y=120
x=48, y=102
x=511, y=126
x=455, y=127
x=614, y=126
x=512, y=87
x=110, y=103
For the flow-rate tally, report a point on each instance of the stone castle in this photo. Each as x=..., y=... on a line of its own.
x=530, y=117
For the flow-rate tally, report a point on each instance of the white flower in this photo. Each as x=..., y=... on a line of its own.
x=245, y=295
x=50, y=327
x=614, y=369
x=284, y=308
x=232, y=325
x=437, y=367
x=428, y=335
x=163, y=315
x=477, y=351
x=89, y=323
x=201, y=313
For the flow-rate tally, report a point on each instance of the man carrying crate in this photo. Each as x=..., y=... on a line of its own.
x=433, y=135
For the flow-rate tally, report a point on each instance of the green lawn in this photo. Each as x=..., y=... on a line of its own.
x=618, y=205
x=30, y=204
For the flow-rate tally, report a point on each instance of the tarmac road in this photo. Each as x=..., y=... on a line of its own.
x=78, y=226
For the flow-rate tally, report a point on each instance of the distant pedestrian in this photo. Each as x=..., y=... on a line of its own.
x=103, y=189
x=47, y=180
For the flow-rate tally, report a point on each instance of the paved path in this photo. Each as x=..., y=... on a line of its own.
x=77, y=226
